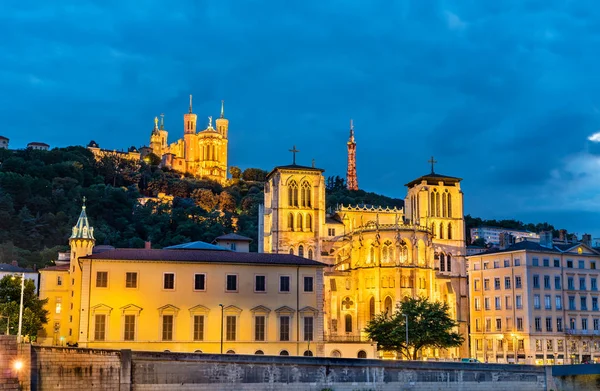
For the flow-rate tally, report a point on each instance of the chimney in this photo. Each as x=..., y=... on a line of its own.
x=15, y=263
x=148, y=245
x=586, y=239
x=546, y=239
x=562, y=235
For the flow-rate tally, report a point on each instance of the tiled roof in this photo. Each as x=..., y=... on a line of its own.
x=234, y=237
x=534, y=246
x=7, y=267
x=203, y=256
x=433, y=179
x=196, y=246
x=57, y=268
x=294, y=167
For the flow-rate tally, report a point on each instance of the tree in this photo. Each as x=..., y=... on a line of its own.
x=429, y=326
x=235, y=172
x=34, y=313
x=254, y=174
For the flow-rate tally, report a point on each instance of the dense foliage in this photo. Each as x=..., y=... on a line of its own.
x=41, y=193
x=34, y=314
x=337, y=194
x=474, y=222
x=429, y=326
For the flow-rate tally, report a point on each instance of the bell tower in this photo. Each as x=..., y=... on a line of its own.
x=189, y=132
x=81, y=242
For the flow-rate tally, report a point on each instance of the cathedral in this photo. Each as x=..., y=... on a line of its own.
x=200, y=153
x=375, y=256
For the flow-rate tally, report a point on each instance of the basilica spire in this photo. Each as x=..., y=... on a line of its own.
x=222, y=109
x=190, y=103
x=351, y=179
x=83, y=229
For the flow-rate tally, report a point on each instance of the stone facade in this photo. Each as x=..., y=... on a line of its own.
x=377, y=256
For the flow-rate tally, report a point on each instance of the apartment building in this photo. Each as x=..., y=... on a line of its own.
x=535, y=303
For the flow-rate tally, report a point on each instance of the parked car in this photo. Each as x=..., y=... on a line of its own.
x=473, y=360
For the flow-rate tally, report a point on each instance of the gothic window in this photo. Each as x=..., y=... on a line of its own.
x=291, y=251
x=442, y=262
x=437, y=204
x=348, y=323
x=387, y=306
x=310, y=253
x=372, y=308
x=372, y=254
x=305, y=193
x=441, y=231
x=385, y=254
x=292, y=193
x=449, y=205
x=449, y=236
x=432, y=202
x=299, y=222
x=309, y=222
x=444, y=205
x=449, y=263
x=403, y=254
x=291, y=221
x=301, y=251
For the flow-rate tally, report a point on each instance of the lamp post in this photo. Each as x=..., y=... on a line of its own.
x=406, y=327
x=221, y=305
x=21, y=306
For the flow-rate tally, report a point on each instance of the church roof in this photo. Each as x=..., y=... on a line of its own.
x=83, y=229
x=433, y=179
x=196, y=246
x=294, y=167
x=202, y=256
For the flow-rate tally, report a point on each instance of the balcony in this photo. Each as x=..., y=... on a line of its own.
x=345, y=338
x=582, y=332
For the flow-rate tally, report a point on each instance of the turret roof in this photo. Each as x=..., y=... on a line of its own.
x=83, y=229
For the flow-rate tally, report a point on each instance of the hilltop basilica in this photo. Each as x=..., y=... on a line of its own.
x=376, y=256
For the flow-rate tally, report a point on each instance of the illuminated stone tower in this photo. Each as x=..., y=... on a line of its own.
x=81, y=242
x=222, y=124
x=351, y=180
x=189, y=133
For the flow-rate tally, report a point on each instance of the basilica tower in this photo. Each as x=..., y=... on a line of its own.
x=222, y=125
x=189, y=133
x=351, y=179
x=81, y=242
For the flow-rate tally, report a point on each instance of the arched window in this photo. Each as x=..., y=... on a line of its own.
x=301, y=251
x=307, y=353
x=348, y=323
x=444, y=198
x=299, y=222
x=361, y=354
x=387, y=306
x=449, y=263
x=291, y=221
x=309, y=222
x=291, y=251
x=442, y=263
x=449, y=205
x=403, y=254
x=372, y=254
x=432, y=202
x=230, y=352
x=284, y=353
x=305, y=193
x=441, y=231
x=293, y=193
x=449, y=231
x=259, y=352
x=371, y=308
x=197, y=351
x=336, y=353
x=310, y=253
x=385, y=253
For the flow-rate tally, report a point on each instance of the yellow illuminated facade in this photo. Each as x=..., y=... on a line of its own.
x=200, y=153
x=376, y=256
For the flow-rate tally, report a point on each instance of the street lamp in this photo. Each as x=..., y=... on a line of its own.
x=21, y=306
x=406, y=326
x=221, y=305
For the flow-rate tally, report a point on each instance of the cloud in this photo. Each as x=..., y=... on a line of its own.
x=595, y=137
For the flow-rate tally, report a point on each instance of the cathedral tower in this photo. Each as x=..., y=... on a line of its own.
x=81, y=242
x=189, y=133
x=222, y=125
x=351, y=179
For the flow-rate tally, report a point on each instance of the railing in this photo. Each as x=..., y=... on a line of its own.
x=392, y=227
x=582, y=332
x=345, y=338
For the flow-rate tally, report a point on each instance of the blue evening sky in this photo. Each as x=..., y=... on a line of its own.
x=505, y=94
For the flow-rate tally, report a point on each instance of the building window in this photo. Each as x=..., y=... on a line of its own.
x=301, y=251
x=498, y=324
x=129, y=329
x=260, y=284
x=486, y=284
x=448, y=263
x=535, y=262
x=331, y=231
x=291, y=251
x=594, y=284
x=557, y=263
x=293, y=194
x=167, y=327
x=308, y=284
x=169, y=281
x=284, y=353
x=231, y=283
x=570, y=284
x=538, y=324
x=536, y=302
x=548, y=302
x=546, y=282
x=284, y=328
x=508, y=302
x=58, y=307
x=506, y=282
x=200, y=282
x=548, y=324
x=517, y=262
x=497, y=303
x=519, y=302
x=582, y=283
x=284, y=283
x=558, y=302
x=581, y=264
x=559, y=325
x=442, y=262
x=309, y=222
x=58, y=280
x=476, y=286
x=571, y=302
x=310, y=253
x=557, y=282
x=536, y=281
x=101, y=279
x=546, y=262
x=519, y=324
x=131, y=280
x=477, y=304
x=569, y=264
x=291, y=221
x=259, y=328
x=198, y=327
x=100, y=327
x=594, y=304
x=518, y=282
x=231, y=327
x=486, y=303
x=348, y=323
x=497, y=283
x=306, y=194
x=583, y=301
x=308, y=328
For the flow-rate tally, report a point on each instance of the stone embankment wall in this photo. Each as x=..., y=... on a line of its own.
x=9, y=379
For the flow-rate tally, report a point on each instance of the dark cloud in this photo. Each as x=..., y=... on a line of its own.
x=504, y=94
